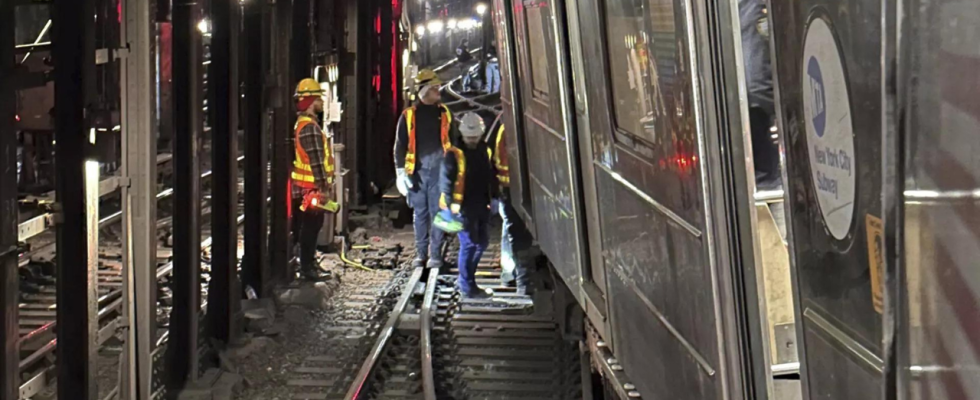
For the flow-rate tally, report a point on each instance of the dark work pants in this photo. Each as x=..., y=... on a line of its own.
x=306, y=230
x=473, y=241
x=514, y=242
x=764, y=151
x=424, y=200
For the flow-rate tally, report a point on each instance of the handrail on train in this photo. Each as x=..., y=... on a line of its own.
x=384, y=337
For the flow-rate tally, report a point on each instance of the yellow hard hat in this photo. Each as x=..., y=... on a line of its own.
x=427, y=77
x=308, y=87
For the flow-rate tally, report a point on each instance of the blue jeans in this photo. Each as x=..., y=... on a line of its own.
x=514, y=240
x=424, y=200
x=492, y=78
x=473, y=241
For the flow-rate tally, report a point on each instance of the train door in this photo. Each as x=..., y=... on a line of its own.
x=594, y=275
x=828, y=56
x=551, y=148
x=939, y=142
x=510, y=98
x=659, y=93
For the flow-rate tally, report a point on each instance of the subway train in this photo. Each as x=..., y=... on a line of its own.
x=632, y=164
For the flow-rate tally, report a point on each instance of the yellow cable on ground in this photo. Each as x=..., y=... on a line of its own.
x=343, y=257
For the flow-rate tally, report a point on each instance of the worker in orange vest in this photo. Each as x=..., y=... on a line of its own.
x=425, y=132
x=312, y=176
x=515, y=238
x=469, y=186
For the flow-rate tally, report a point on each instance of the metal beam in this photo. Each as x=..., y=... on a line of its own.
x=188, y=124
x=77, y=196
x=256, y=151
x=282, y=140
x=139, y=147
x=9, y=356
x=224, y=204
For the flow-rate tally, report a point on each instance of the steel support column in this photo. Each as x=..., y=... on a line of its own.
x=139, y=146
x=9, y=356
x=282, y=139
x=223, y=291
x=183, y=346
x=73, y=41
x=256, y=151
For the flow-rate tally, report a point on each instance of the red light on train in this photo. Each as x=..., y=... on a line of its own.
x=16, y=118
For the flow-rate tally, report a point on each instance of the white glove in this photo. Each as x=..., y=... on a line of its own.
x=404, y=182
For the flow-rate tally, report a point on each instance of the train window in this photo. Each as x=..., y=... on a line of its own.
x=539, y=54
x=640, y=36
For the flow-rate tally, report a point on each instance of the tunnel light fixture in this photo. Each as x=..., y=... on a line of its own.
x=481, y=8
x=451, y=24
x=420, y=30
x=435, y=26
x=204, y=26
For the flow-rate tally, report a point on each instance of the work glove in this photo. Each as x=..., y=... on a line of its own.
x=403, y=181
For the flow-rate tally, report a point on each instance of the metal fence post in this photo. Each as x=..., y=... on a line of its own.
x=183, y=346
x=9, y=356
x=224, y=207
x=73, y=38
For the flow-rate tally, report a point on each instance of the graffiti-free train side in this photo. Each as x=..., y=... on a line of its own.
x=640, y=154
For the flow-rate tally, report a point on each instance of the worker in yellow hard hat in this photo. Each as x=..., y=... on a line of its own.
x=425, y=132
x=312, y=176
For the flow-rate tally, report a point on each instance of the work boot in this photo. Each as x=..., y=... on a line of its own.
x=434, y=263
x=418, y=262
x=476, y=294
x=524, y=290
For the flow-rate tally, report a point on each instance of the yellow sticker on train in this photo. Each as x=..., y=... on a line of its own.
x=876, y=259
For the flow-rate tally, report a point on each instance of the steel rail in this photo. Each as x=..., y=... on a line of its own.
x=384, y=338
x=48, y=348
x=428, y=375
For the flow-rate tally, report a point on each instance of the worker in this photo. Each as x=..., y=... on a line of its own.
x=425, y=132
x=492, y=72
x=467, y=186
x=515, y=239
x=758, y=82
x=463, y=58
x=312, y=176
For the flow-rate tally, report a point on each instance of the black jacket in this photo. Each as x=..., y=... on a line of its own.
x=481, y=178
x=428, y=127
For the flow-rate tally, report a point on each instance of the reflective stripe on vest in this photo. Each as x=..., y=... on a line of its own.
x=446, y=122
x=302, y=171
x=460, y=185
x=500, y=159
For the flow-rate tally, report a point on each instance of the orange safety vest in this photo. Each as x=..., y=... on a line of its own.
x=460, y=185
x=447, y=120
x=302, y=172
x=500, y=159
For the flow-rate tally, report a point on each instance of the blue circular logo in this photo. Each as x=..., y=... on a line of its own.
x=818, y=101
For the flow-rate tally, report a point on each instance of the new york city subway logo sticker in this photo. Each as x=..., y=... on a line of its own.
x=829, y=131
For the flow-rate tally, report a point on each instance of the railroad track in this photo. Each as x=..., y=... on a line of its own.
x=38, y=309
x=436, y=345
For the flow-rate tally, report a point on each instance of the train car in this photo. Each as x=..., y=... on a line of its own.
x=633, y=165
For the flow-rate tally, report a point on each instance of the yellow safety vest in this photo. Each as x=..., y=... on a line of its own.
x=302, y=172
x=447, y=120
x=460, y=185
x=500, y=159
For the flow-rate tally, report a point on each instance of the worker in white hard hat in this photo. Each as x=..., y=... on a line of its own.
x=468, y=184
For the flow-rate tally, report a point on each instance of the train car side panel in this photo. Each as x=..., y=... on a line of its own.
x=662, y=300
x=552, y=180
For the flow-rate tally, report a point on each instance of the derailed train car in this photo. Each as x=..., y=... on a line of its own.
x=633, y=166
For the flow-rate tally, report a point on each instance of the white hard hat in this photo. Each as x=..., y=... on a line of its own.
x=471, y=125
